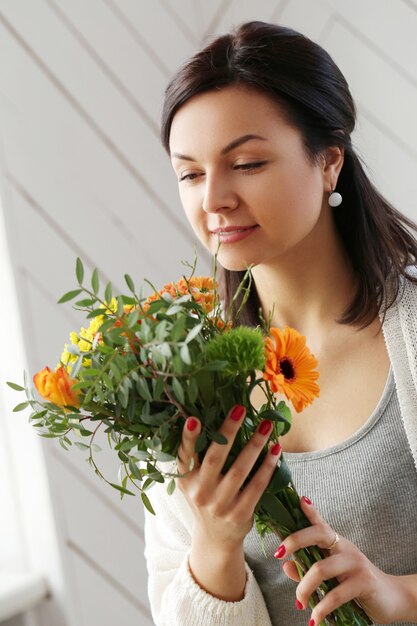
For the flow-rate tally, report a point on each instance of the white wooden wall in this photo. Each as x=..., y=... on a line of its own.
x=83, y=173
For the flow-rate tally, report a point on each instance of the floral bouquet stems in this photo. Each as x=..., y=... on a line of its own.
x=145, y=364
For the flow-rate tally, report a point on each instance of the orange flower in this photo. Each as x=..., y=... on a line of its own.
x=202, y=289
x=56, y=387
x=290, y=367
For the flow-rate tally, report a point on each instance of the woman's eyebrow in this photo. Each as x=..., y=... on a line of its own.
x=230, y=146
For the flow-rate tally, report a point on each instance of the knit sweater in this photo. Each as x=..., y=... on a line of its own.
x=175, y=598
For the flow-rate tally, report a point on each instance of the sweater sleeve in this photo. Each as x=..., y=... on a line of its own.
x=175, y=598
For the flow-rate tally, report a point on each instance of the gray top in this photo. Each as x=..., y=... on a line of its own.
x=366, y=489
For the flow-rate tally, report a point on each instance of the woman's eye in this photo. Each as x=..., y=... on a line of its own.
x=250, y=166
x=244, y=167
x=187, y=177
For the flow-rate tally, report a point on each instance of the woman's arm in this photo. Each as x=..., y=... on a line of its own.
x=175, y=597
x=197, y=572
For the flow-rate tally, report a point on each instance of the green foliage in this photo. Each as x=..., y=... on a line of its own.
x=145, y=372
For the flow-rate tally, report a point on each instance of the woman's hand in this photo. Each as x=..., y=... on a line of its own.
x=223, y=513
x=385, y=598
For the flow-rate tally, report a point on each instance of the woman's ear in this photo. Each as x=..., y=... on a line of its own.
x=332, y=161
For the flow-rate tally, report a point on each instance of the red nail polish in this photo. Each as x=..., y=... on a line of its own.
x=312, y=623
x=192, y=423
x=265, y=427
x=279, y=552
x=276, y=449
x=237, y=412
x=306, y=500
x=299, y=605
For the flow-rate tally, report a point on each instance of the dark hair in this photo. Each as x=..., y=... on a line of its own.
x=314, y=96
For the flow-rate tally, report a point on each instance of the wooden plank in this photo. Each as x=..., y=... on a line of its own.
x=390, y=97
x=310, y=18
x=100, y=601
x=169, y=41
x=61, y=65
x=388, y=26
x=99, y=532
x=130, y=64
x=239, y=11
x=85, y=191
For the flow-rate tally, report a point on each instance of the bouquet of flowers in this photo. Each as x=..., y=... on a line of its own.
x=145, y=364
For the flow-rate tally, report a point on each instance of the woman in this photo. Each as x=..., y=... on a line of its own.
x=257, y=126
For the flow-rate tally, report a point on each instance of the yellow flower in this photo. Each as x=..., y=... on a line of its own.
x=290, y=367
x=84, y=340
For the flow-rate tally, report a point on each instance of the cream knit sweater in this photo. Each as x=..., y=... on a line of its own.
x=176, y=600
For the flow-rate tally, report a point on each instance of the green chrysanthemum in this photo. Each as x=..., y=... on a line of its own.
x=243, y=348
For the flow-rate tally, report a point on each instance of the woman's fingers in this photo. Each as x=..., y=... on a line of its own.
x=250, y=495
x=217, y=453
x=187, y=459
x=319, y=534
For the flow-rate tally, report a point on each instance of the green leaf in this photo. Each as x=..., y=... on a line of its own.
x=95, y=281
x=277, y=511
x=201, y=442
x=178, y=328
x=171, y=487
x=130, y=283
x=108, y=293
x=20, y=407
x=178, y=390
x=95, y=313
x=16, y=387
x=163, y=456
x=185, y=354
x=79, y=270
x=192, y=390
x=86, y=302
x=69, y=295
x=147, y=503
x=219, y=438
x=280, y=478
x=134, y=470
x=193, y=333
x=122, y=489
x=158, y=388
x=143, y=389
x=81, y=446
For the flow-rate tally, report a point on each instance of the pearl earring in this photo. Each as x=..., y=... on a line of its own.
x=335, y=199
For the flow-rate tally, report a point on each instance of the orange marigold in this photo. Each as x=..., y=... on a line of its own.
x=290, y=367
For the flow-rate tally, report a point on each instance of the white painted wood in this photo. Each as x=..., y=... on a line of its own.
x=239, y=11
x=84, y=174
x=20, y=592
x=103, y=602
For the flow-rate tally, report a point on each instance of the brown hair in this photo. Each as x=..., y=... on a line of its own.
x=314, y=96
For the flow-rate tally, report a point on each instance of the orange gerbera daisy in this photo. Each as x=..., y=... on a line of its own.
x=290, y=367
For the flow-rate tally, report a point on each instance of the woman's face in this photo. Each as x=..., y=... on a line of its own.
x=264, y=186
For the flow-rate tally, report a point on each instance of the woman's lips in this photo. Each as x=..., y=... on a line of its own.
x=233, y=235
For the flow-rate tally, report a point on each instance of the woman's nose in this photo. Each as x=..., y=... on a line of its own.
x=218, y=195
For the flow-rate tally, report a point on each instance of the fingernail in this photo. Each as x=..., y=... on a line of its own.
x=306, y=500
x=265, y=427
x=237, y=412
x=192, y=423
x=276, y=449
x=312, y=623
x=299, y=605
x=279, y=552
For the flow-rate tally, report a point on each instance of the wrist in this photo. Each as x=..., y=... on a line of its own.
x=218, y=569
x=407, y=594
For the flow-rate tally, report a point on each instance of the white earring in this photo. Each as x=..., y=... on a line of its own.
x=335, y=199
